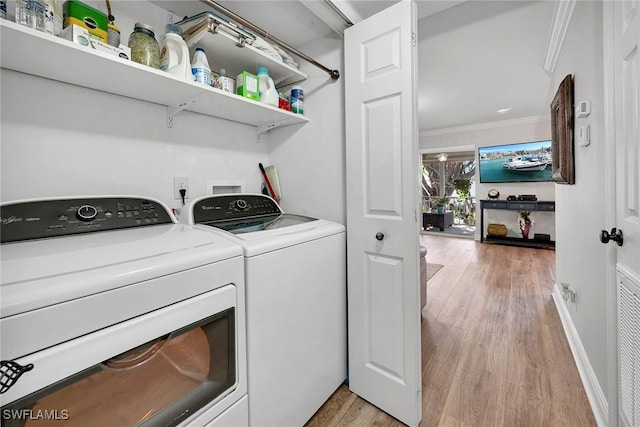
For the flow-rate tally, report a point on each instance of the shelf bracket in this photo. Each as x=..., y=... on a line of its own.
x=266, y=128
x=173, y=110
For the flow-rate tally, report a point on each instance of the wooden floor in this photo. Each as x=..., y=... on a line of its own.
x=493, y=349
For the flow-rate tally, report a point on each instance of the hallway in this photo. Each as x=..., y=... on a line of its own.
x=494, y=351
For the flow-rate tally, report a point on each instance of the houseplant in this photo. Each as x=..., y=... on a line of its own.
x=441, y=202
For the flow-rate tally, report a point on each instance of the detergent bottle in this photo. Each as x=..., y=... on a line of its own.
x=200, y=67
x=174, y=55
x=268, y=92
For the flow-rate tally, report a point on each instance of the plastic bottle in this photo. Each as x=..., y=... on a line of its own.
x=200, y=67
x=224, y=82
x=53, y=17
x=174, y=56
x=113, y=34
x=297, y=100
x=30, y=13
x=268, y=92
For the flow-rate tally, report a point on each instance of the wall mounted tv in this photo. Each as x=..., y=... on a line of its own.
x=521, y=162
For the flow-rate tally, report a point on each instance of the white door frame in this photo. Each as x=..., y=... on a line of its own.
x=608, y=36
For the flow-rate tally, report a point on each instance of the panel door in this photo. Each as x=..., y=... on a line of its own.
x=627, y=195
x=382, y=212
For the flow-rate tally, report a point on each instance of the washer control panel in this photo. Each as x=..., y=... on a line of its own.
x=63, y=217
x=231, y=207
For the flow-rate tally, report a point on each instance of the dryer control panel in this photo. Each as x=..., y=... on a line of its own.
x=233, y=207
x=62, y=217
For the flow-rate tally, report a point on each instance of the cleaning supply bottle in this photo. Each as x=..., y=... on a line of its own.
x=266, y=87
x=200, y=67
x=53, y=17
x=224, y=82
x=297, y=100
x=174, y=55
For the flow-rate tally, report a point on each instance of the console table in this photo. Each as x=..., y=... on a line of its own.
x=440, y=220
x=516, y=205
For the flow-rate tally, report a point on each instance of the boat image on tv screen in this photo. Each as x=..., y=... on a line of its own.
x=521, y=162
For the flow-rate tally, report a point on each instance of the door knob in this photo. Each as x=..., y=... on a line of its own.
x=379, y=236
x=615, y=235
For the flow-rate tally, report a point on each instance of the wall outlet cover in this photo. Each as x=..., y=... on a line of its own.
x=180, y=182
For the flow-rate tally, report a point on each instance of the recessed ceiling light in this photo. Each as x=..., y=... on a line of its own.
x=442, y=157
x=504, y=110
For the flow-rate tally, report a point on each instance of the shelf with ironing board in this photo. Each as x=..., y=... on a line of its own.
x=516, y=205
x=36, y=53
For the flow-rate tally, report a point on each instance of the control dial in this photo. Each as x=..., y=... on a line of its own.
x=241, y=204
x=86, y=213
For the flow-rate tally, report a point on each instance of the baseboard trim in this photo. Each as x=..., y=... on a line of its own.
x=597, y=398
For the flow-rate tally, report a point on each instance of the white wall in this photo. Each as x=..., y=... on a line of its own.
x=311, y=158
x=580, y=257
x=498, y=133
x=62, y=140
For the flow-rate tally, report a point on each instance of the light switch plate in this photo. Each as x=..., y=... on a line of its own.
x=584, y=136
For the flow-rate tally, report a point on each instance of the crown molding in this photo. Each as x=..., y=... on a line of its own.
x=561, y=19
x=345, y=7
x=331, y=12
x=326, y=15
x=488, y=125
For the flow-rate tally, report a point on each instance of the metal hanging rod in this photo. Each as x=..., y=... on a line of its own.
x=339, y=12
x=335, y=74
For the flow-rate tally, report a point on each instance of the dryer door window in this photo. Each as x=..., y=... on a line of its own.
x=161, y=382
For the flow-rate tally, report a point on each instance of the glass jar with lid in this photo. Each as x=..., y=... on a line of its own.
x=144, y=47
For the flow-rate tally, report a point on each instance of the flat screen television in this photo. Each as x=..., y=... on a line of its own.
x=521, y=162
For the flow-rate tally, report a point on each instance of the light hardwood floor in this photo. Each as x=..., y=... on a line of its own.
x=493, y=349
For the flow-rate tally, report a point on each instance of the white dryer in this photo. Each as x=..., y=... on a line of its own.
x=112, y=313
x=295, y=274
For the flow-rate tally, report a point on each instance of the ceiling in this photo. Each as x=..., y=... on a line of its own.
x=474, y=57
x=456, y=156
x=479, y=57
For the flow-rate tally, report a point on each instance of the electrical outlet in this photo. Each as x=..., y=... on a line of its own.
x=179, y=183
x=568, y=294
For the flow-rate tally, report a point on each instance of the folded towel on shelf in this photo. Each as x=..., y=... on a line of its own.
x=263, y=45
x=286, y=58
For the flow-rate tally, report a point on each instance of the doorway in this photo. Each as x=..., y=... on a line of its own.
x=448, y=193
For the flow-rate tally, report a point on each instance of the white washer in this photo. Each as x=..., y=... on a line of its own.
x=295, y=273
x=86, y=279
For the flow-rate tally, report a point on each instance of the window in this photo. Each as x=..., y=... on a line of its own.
x=450, y=177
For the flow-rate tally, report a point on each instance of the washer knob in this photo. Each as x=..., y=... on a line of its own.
x=86, y=213
x=241, y=204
